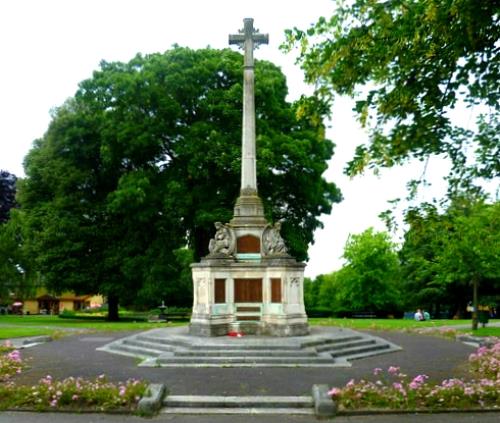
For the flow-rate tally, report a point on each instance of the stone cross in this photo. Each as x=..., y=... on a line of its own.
x=248, y=38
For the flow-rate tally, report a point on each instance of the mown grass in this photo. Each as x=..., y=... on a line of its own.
x=385, y=324
x=19, y=326
x=493, y=331
x=13, y=326
x=18, y=332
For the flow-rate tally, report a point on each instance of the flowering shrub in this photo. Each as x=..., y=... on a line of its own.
x=486, y=361
x=70, y=393
x=73, y=393
x=394, y=390
x=10, y=362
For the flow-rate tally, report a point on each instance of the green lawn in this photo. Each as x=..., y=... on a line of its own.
x=483, y=331
x=385, y=324
x=18, y=332
x=17, y=326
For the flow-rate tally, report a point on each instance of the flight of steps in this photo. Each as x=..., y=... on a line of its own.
x=192, y=404
x=163, y=348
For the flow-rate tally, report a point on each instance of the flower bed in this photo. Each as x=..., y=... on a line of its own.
x=76, y=394
x=10, y=362
x=394, y=390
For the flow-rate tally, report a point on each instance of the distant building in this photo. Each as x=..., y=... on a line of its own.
x=46, y=303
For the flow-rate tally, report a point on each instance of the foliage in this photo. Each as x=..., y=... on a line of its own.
x=369, y=281
x=485, y=362
x=7, y=194
x=18, y=277
x=394, y=390
x=73, y=394
x=10, y=362
x=146, y=157
x=408, y=64
x=444, y=252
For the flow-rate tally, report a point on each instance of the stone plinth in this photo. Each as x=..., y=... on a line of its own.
x=262, y=297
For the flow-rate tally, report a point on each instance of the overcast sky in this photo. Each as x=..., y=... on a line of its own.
x=49, y=46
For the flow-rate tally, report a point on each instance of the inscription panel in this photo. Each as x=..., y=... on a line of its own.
x=248, y=290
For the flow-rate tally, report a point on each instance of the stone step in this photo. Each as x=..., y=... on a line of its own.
x=134, y=350
x=246, y=353
x=171, y=340
x=315, y=343
x=348, y=352
x=217, y=401
x=343, y=346
x=149, y=345
x=201, y=360
x=364, y=354
x=240, y=344
x=238, y=411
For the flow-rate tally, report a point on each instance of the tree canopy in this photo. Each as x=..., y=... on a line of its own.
x=146, y=157
x=368, y=282
x=408, y=64
x=7, y=194
x=446, y=253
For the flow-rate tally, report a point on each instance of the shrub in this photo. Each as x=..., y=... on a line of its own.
x=394, y=390
x=73, y=393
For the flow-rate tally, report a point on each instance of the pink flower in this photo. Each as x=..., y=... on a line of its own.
x=74, y=397
x=350, y=384
x=334, y=392
x=377, y=370
x=393, y=370
x=53, y=403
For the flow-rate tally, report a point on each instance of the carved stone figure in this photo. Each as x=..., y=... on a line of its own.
x=273, y=243
x=223, y=242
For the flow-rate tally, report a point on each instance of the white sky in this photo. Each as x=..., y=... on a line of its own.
x=49, y=46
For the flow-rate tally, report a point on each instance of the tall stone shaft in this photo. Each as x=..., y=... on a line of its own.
x=248, y=39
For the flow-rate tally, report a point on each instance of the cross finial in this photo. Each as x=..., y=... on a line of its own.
x=247, y=39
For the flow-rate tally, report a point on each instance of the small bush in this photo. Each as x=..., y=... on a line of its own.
x=392, y=389
x=73, y=394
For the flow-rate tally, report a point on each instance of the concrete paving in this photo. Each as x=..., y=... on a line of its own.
x=21, y=417
x=78, y=356
x=323, y=347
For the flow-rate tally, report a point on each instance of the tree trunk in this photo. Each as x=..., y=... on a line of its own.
x=113, y=308
x=474, y=302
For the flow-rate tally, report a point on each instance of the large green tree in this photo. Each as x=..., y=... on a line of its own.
x=146, y=157
x=408, y=64
x=447, y=257
x=18, y=278
x=369, y=281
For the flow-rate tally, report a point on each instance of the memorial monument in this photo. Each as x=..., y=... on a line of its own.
x=248, y=282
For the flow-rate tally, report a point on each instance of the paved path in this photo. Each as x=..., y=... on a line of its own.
x=10, y=417
x=77, y=356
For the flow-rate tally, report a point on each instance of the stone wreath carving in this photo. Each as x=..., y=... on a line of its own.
x=272, y=242
x=224, y=241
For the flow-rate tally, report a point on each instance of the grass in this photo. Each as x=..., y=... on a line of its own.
x=385, y=324
x=18, y=332
x=379, y=324
x=12, y=326
x=494, y=331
